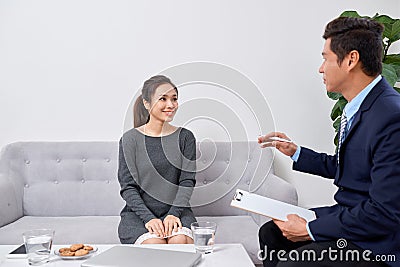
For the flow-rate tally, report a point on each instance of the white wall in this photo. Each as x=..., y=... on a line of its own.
x=69, y=69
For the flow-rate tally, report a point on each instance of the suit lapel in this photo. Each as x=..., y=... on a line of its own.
x=366, y=105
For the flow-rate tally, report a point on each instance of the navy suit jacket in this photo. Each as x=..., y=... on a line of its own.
x=367, y=212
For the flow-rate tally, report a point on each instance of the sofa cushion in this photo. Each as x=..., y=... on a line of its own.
x=65, y=178
x=86, y=197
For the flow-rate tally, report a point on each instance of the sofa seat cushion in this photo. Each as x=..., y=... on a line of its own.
x=237, y=229
x=68, y=230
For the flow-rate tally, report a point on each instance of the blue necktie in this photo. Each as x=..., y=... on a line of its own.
x=343, y=132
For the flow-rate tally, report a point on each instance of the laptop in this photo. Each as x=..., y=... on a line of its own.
x=127, y=256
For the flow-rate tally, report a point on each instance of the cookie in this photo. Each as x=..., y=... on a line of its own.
x=88, y=248
x=76, y=247
x=67, y=253
x=61, y=250
x=81, y=252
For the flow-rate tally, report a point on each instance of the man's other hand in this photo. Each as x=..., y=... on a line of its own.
x=294, y=228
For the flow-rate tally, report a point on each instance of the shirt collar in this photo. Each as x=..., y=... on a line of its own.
x=352, y=107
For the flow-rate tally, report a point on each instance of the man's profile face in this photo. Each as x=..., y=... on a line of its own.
x=334, y=76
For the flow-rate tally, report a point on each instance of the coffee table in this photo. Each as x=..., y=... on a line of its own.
x=223, y=255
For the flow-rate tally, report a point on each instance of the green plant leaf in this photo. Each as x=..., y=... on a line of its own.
x=388, y=23
x=393, y=33
x=334, y=96
x=350, y=13
x=338, y=108
x=397, y=68
x=384, y=19
x=392, y=59
x=389, y=72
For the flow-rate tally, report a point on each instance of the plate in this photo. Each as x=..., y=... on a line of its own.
x=56, y=252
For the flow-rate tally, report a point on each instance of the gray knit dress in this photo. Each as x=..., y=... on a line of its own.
x=157, y=176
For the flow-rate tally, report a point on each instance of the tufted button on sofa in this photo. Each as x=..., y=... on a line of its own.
x=72, y=187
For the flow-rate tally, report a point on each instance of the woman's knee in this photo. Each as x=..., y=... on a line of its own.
x=154, y=241
x=177, y=239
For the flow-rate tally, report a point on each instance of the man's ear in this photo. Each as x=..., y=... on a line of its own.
x=352, y=59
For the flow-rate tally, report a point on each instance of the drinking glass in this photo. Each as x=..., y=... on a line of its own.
x=204, y=236
x=38, y=244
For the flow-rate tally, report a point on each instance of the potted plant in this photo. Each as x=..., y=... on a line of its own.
x=390, y=63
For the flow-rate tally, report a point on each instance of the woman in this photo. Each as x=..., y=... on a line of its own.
x=156, y=170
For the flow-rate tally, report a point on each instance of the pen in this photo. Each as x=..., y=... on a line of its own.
x=275, y=138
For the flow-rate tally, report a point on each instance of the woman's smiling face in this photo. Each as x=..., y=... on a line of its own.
x=164, y=103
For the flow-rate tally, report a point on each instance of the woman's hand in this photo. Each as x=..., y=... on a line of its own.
x=171, y=223
x=155, y=226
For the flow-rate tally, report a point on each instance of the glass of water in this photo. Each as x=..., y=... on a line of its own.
x=38, y=245
x=204, y=236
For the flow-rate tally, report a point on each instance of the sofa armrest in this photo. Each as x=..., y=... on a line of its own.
x=10, y=203
x=276, y=188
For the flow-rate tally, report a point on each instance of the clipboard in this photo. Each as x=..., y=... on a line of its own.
x=269, y=207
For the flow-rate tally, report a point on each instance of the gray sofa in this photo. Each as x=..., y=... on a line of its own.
x=72, y=187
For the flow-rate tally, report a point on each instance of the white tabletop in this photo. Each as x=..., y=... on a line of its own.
x=223, y=255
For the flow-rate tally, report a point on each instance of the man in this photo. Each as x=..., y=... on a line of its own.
x=365, y=222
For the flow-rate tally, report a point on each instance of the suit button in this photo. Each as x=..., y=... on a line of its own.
x=341, y=188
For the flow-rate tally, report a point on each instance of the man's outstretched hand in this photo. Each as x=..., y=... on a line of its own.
x=287, y=148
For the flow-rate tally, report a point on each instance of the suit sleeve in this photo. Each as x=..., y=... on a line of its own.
x=379, y=214
x=316, y=163
x=187, y=176
x=127, y=177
